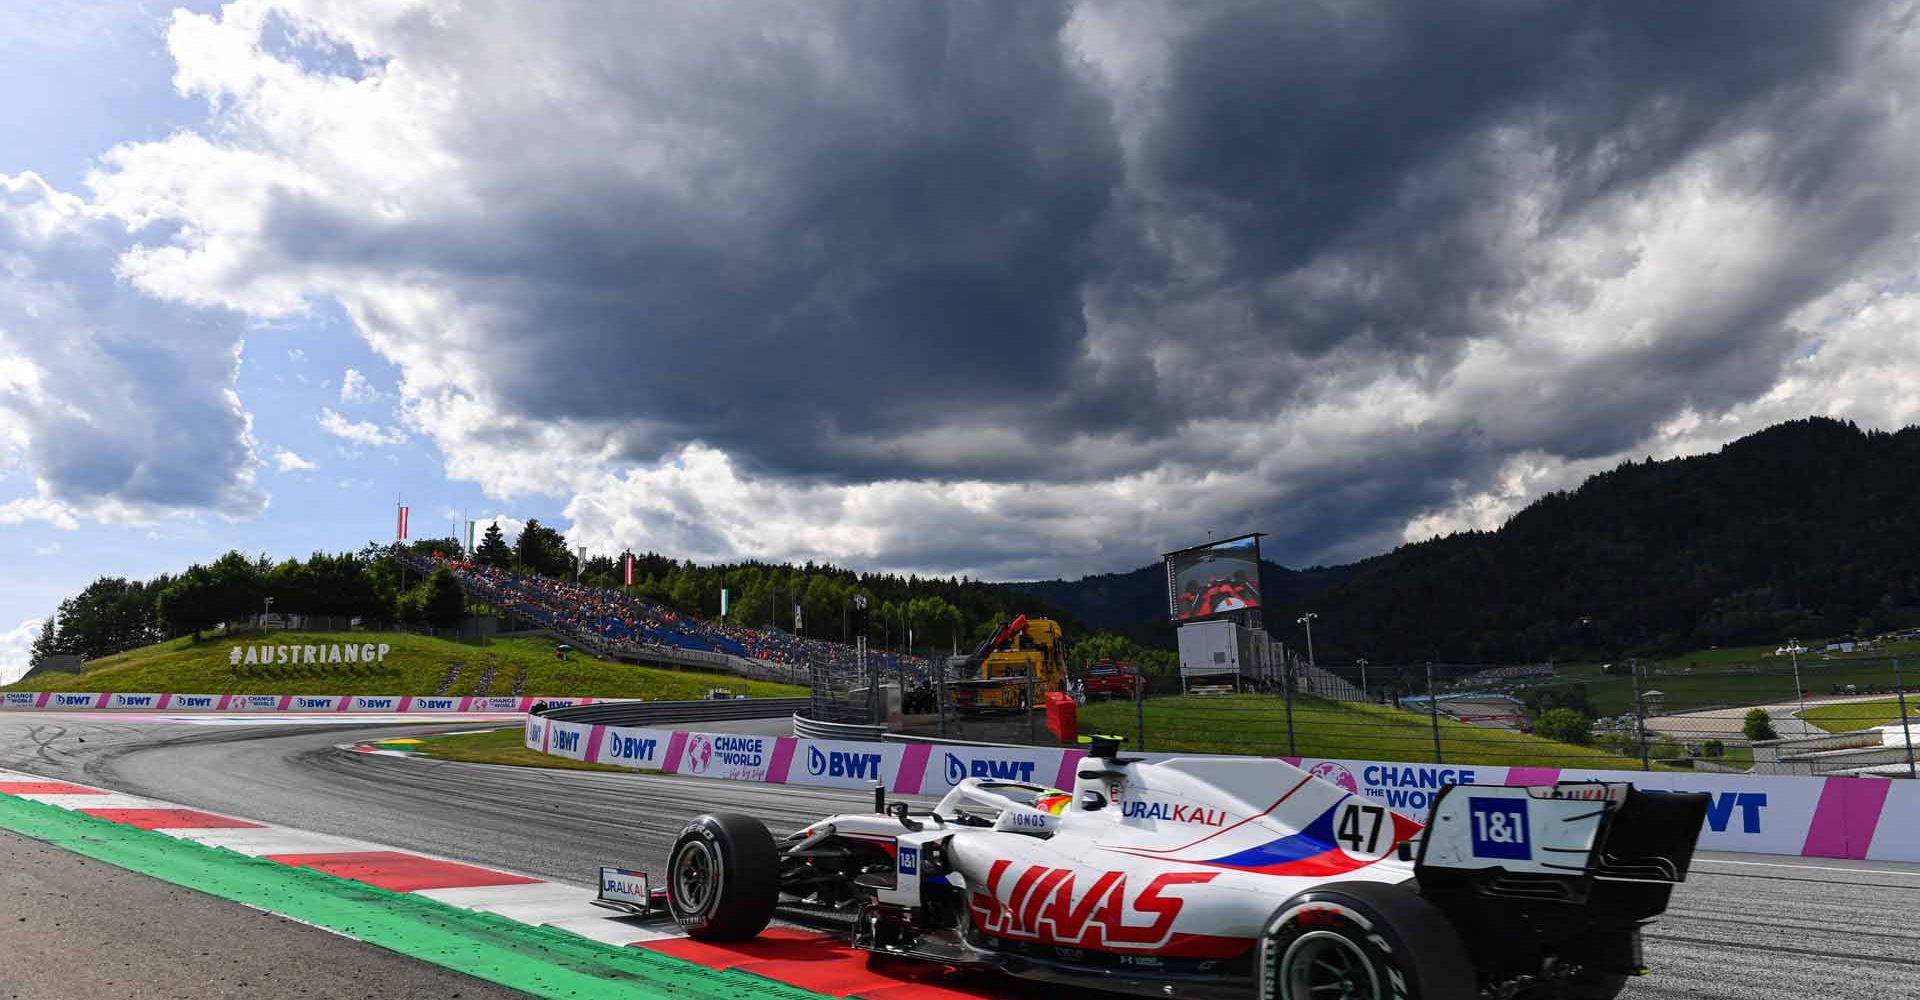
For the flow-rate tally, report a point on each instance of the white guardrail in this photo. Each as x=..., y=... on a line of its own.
x=1862, y=818
x=277, y=702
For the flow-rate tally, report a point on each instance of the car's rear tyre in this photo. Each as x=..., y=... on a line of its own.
x=1363, y=941
x=723, y=877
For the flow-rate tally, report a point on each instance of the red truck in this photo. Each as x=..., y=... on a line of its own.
x=1111, y=679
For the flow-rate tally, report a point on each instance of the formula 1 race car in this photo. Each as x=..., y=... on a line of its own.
x=1219, y=877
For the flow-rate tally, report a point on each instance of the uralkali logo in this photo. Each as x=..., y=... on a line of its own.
x=991, y=768
x=366, y=652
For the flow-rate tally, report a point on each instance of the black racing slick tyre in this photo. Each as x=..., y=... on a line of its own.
x=1363, y=941
x=723, y=877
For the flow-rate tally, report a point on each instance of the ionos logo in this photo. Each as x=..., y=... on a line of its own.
x=959, y=770
x=634, y=748
x=842, y=764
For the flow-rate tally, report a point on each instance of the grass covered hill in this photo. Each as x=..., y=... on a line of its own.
x=1257, y=724
x=1808, y=528
x=415, y=665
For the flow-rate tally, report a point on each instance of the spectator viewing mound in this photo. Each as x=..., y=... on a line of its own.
x=413, y=664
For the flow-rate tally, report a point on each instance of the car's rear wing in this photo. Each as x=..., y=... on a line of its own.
x=1555, y=842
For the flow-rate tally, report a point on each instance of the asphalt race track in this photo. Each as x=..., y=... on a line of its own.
x=1744, y=926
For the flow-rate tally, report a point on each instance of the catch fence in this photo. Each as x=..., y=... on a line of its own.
x=1859, y=717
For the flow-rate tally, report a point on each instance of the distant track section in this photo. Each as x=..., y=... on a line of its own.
x=648, y=713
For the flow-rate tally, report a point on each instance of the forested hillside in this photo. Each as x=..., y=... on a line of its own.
x=1809, y=528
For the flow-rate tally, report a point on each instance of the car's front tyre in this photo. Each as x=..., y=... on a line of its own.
x=723, y=877
x=1362, y=941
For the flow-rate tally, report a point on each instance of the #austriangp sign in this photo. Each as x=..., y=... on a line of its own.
x=261, y=654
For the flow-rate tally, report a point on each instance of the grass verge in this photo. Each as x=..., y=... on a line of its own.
x=496, y=746
x=415, y=665
x=539, y=961
x=1257, y=724
x=1849, y=716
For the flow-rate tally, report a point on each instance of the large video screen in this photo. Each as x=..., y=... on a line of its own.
x=1214, y=579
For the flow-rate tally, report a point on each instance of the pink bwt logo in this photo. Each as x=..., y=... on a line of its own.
x=1336, y=772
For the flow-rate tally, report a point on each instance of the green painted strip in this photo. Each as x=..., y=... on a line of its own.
x=541, y=961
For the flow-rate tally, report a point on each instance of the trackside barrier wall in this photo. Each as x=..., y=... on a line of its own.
x=1866, y=818
x=275, y=702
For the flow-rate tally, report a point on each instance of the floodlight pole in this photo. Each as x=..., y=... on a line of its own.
x=1363, y=680
x=1307, y=620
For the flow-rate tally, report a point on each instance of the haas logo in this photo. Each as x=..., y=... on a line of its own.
x=1336, y=772
x=1080, y=909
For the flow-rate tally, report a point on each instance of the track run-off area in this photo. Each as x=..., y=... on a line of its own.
x=1742, y=926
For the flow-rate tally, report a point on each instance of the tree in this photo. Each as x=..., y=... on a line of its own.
x=48, y=644
x=444, y=602
x=492, y=550
x=1564, y=725
x=1759, y=726
x=449, y=547
x=186, y=605
x=543, y=550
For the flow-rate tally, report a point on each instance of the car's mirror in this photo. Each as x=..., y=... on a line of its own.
x=1092, y=801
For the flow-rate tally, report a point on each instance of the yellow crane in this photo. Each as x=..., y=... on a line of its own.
x=1000, y=667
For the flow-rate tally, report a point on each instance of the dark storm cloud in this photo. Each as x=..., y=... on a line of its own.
x=845, y=243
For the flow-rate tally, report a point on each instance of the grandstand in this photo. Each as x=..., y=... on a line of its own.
x=620, y=625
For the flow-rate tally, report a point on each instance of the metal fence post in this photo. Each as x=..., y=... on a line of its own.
x=1639, y=716
x=1900, y=689
x=1140, y=714
x=1033, y=733
x=1286, y=687
x=1433, y=714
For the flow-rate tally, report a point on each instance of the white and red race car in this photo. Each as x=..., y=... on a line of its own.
x=1223, y=877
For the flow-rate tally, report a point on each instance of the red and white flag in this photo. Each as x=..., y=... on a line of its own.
x=629, y=569
x=400, y=530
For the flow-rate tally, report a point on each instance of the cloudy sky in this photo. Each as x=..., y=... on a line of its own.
x=1008, y=289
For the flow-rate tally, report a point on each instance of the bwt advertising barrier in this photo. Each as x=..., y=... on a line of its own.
x=1867, y=818
x=273, y=702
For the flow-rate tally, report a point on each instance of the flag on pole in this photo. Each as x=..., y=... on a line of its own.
x=400, y=530
x=629, y=570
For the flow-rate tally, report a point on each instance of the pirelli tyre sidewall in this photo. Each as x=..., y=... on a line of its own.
x=723, y=877
x=1394, y=945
